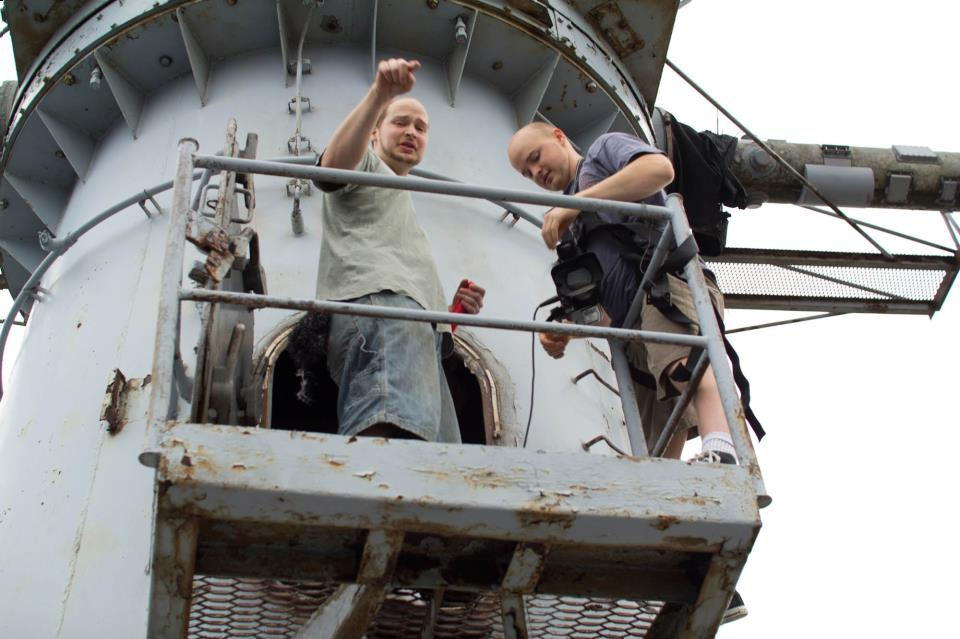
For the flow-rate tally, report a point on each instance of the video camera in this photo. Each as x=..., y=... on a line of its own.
x=577, y=275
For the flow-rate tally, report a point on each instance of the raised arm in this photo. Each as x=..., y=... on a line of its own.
x=351, y=139
x=639, y=179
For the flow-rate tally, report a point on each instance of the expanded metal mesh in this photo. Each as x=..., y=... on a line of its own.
x=738, y=278
x=227, y=608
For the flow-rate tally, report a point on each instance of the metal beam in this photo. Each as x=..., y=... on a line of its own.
x=129, y=98
x=167, y=339
x=715, y=593
x=525, y=568
x=27, y=254
x=388, y=312
x=458, y=58
x=199, y=60
x=46, y=202
x=284, y=41
x=379, y=558
x=238, y=474
x=586, y=136
x=528, y=99
x=737, y=255
x=514, y=615
x=76, y=145
x=175, y=542
x=826, y=304
x=345, y=615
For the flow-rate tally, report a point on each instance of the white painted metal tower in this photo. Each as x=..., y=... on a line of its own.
x=156, y=483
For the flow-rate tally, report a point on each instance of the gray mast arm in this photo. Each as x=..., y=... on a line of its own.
x=903, y=177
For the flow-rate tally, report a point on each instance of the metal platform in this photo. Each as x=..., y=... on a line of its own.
x=455, y=524
x=280, y=505
x=832, y=281
x=228, y=608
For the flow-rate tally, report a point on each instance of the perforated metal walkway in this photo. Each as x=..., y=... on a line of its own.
x=228, y=608
x=832, y=281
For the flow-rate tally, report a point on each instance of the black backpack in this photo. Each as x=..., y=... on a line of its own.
x=701, y=166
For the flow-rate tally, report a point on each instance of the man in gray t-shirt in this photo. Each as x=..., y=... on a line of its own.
x=373, y=251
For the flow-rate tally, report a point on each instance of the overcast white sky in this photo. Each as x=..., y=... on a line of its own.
x=860, y=410
x=860, y=456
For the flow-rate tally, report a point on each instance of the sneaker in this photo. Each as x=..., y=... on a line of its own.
x=714, y=457
x=737, y=609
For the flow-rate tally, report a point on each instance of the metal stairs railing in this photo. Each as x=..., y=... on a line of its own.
x=374, y=515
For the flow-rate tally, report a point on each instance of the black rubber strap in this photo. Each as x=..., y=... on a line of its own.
x=741, y=381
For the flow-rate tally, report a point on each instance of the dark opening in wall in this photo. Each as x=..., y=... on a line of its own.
x=286, y=411
x=289, y=412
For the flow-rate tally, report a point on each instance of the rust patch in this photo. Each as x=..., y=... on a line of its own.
x=113, y=410
x=332, y=461
x=609, y=20
x=543, y=513
x=664, y=522
x=484, y=478
x=533, y=10
x=685, y=542
x=697, y=500
x=186, y=460
x=436, y=474
x=238, y=467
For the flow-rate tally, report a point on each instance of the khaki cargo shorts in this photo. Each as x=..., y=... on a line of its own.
x=656, y=359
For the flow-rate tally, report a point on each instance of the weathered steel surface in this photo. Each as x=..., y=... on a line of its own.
x=709, y=328
x=240, y=474
x=369, y=310
x=175, y=546
x=345, y=615
x=525, y=568
x=32, y=23
x=756, y=170
x=638, y=32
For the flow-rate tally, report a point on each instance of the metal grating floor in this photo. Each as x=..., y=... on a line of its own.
x=228, y=608
x=826, y=281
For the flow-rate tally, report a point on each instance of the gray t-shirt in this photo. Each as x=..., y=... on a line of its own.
x=621, y=278
x=372, y=242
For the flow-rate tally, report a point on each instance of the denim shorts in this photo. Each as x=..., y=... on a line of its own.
x=389, y=371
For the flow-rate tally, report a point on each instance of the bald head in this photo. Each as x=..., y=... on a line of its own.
x=542, y=153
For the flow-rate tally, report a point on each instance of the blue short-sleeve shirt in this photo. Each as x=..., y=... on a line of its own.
x=621, y=278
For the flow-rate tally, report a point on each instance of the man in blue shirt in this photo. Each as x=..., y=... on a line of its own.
x=622, y=167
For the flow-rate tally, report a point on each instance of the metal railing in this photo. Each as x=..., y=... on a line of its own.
x=163, y=399
x=58, y=246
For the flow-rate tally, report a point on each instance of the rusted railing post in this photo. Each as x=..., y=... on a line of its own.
x=710, y=329
x=166, y=345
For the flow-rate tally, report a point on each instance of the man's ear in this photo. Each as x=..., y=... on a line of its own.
x=560, y=136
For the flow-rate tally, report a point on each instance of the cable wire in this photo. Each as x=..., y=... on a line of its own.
x=776, y=156
x=533, y=367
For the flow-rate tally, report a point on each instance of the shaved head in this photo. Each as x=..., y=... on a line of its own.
x=541, y=152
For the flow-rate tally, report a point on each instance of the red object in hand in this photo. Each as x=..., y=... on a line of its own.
x=458, y=304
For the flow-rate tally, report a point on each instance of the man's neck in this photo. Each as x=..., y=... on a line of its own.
x=573, y=168
x=574, y=163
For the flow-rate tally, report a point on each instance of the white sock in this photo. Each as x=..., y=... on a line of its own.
x=719, y=443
